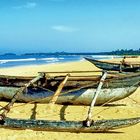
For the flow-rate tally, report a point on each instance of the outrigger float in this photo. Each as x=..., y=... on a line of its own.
x=68, y=126
x=88, y=125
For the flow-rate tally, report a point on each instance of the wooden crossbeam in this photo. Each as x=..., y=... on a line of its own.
x=71, y=71
x=59, y=89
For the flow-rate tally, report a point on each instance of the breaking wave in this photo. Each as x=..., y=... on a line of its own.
x=16, y=60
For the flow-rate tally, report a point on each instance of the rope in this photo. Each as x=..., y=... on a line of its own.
x=104, y=105
x=114, y=98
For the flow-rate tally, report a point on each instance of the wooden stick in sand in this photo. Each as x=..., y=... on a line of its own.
x=89, y=116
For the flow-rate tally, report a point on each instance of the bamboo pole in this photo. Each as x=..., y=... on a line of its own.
x=7, y=108
x=59, y=89
x=77, y=78
x=88, y=120
x=61, y=72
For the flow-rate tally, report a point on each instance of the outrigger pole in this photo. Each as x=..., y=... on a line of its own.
x=89, y=116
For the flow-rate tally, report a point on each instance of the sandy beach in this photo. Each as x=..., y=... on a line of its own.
x=125, y=108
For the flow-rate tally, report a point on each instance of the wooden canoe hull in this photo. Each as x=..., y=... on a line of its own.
x=77, y=97
x=116, y=80
x=68, y=126
x=112, y=66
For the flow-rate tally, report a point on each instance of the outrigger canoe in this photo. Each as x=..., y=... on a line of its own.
x=77, y=92
x=30, y=91
x=110, y=66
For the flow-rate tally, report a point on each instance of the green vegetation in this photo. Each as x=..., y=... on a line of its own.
x=117, y=52
x=125, y=52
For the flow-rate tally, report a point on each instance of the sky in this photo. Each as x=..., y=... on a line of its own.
x=69, y=25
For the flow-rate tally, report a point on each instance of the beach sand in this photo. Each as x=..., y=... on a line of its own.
x=126, y=108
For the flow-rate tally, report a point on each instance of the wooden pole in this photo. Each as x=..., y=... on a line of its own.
x=71, y=71
x=88, y=120
x=59, y=89
x=7, y=108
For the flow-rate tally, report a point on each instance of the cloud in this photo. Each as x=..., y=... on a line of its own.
x=28, y=5
x=62, y=28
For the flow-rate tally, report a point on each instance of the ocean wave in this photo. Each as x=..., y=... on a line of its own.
x=16, y=60
x=51, y=58
x=47, y=60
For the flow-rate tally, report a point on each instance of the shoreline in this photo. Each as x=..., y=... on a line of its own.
x=84, y=65
x=30, y=70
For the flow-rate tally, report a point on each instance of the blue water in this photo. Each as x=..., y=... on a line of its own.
x=21, y=60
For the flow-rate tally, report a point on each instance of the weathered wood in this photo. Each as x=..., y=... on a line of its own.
x=59, y=89
x=89, y=116
x=17, y=81
x=71, y=71
x=75, y=78
x=68, y=126
x=75, y=97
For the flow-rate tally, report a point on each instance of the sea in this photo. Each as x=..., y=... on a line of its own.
x=22, y=60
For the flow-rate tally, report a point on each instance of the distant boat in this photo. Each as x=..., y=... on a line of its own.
x=110, y=66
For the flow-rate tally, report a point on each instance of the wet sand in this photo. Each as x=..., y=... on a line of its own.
x=126, y=108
